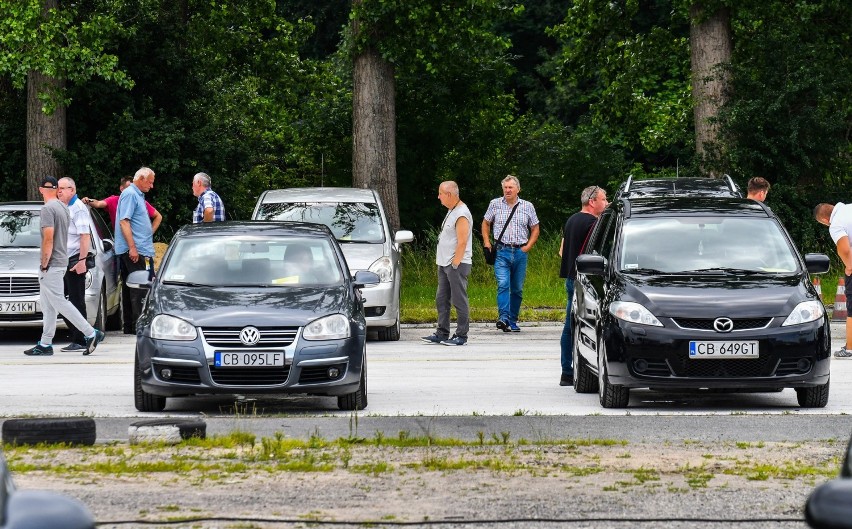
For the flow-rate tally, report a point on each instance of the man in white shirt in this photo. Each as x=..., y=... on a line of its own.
x=79, y=244
x=838, y=218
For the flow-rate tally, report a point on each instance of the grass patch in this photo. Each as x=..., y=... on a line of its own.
x=544, y=292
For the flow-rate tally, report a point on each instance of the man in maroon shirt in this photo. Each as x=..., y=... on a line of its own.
x=111, y=205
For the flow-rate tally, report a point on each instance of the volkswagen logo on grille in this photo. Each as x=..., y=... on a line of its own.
x=723, y=325
x=249, y=336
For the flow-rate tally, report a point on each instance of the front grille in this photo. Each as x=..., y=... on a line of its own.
x=707, y=324
x=736, y=368
x=18, y=286
x=180, y=374
x=318, y=374
x=36, y=316
x=269, y=336
x=249, y=376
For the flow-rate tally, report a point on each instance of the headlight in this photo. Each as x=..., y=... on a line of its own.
x=634, y=313
x=332, y=327
x=383, y=267
x=804, y=312
x=165, y=327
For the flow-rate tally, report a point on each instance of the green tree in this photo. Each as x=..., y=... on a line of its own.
x=46, y=45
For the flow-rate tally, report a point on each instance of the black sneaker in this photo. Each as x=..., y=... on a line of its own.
x=455, y=340
x=93, y=341
x=71, y=347
x=567, y=379
x=842, y=353
x=40, y=350
x=503, y=325
x=433, y=338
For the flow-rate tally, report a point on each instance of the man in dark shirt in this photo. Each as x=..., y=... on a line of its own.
x=576, y=232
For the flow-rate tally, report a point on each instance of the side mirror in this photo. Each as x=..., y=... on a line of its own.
x=108, y=245
x=594, y=265
x=817, y=263
x=403, y=236
x=139, y=279
x=365, y=278
x=830, y=505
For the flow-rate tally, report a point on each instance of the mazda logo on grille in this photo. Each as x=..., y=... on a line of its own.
x=723, y=325
x=249, y=336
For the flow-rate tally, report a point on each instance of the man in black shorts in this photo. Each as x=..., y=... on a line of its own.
x=574, y=236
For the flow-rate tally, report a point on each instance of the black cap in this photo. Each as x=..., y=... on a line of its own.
x=49, y=182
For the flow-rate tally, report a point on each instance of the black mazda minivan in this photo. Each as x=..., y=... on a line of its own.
x=697, y=292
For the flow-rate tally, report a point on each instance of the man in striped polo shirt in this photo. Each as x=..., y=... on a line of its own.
x=510, y=267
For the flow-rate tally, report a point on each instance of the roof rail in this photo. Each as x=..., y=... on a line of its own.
x=627, y=184
x=731, y=183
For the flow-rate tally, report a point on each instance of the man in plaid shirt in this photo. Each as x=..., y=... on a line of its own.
x=210, y=207
x=510, y=267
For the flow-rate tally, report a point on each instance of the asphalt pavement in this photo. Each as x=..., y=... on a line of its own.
x=496, y=383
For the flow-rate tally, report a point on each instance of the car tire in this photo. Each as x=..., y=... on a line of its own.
x=584, y=380
x=167, y=430
x=611, y=395
x=115, y=322
x=390, y=334
x=145, y=401
x=815, y=397
x=71, y=430
x=356, y=400
x=100, y=319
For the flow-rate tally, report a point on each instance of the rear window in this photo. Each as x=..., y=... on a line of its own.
x=348, y=221
x=20, y=229
x=682, y=245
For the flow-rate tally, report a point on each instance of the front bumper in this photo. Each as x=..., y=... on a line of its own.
x=173, y=368
x=36, y=319
x=381, y=304
x=641, y=356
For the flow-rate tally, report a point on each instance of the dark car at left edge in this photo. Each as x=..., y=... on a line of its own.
x=252, y=308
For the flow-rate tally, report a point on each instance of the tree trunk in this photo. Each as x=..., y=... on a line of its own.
x=374, y=130
x=44, y=132
x=711, y=46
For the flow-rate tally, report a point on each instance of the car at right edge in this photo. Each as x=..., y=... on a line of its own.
x=694, y=292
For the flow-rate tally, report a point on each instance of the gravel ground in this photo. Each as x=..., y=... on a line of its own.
x=559, y=484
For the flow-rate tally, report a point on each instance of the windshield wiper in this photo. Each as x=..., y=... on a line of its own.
x=642, y=271
x=725, y=270
x=185, y=283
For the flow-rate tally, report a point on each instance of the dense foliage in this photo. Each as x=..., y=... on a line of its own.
x=562, y=93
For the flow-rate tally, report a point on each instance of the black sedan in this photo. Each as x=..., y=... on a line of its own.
x=252, y=308
x=690, y=293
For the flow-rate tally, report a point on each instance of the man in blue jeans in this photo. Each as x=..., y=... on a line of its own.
x=575, y=233
x=513, y=240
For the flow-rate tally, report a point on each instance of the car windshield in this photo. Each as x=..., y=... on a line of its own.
x=708, y=245
x=20, y=229
x=251, y=261
x=349, y=221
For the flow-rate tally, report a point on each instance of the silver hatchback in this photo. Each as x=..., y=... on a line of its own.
x=20, y=240
x=357, y=219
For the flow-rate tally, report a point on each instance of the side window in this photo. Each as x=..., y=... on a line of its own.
x=608, y=238
x=599, y=235
x=100, y=226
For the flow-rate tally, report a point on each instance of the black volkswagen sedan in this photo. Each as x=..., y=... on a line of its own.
x=695, y=293
x=252, y=308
